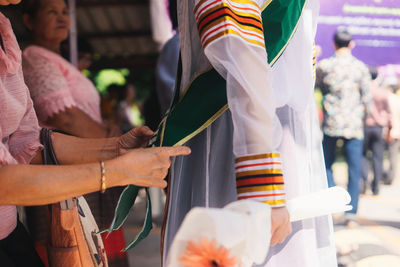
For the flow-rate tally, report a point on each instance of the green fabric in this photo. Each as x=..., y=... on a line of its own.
x=125, y=203
x=205, y=97
x=280, y=19
x=195, y=109
x=147, y=224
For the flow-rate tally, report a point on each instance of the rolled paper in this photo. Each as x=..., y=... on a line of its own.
x=324, y=202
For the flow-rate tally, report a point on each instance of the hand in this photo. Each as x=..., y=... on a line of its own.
x=145, y=167
x=135, y=138
x=280, y=225
x=113, y=131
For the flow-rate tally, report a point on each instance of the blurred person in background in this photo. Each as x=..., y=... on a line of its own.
x=85, y=53
x=128, y=113
x=345, y=84
x=67, y=101
x=376, y=123
x=393, y=136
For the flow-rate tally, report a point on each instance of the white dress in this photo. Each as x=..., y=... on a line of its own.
x=270, y=130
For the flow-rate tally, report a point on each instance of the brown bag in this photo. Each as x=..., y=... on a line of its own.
x=73, y=233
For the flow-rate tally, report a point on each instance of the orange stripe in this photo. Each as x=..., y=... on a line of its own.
x=229, y=31
x=225, y=12
x=229, y=21
x=231, y=8
x=258, y=172
x=255, y=181
x=259, y=156
x=238, y=2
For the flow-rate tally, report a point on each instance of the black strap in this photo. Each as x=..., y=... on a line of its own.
x=49, y=156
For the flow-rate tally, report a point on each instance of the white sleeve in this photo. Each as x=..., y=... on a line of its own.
x=232, y=36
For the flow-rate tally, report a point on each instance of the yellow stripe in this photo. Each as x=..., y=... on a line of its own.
x=235, y=11
x=258, y=172
x=265, y=188
x=250, y=2
x=275, y=202
x=205, y=125
x=241, y=2
x=265, y=5
x=162, y=132
x=230, y=31
x=225, y=18
x=259, y=156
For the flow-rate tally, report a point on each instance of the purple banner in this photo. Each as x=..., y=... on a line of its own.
x=375, y=25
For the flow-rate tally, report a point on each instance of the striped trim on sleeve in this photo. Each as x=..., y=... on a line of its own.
x=259, y=177
x=238, y=18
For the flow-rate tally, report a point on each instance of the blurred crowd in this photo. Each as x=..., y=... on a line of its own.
x=360, y=115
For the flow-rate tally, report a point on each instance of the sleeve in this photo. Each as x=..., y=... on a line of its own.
x=47, y=85
x=232, y=36
x=24, y=142
x=5, y=156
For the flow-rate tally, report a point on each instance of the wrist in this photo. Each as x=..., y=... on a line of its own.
x=110, y=148
x=113, y=175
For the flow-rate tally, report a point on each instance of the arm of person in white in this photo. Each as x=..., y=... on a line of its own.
x=232, y=36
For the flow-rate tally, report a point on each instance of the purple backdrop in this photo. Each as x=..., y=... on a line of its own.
x=375, y=25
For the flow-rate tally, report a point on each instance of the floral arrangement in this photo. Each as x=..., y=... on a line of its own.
x=207, y=253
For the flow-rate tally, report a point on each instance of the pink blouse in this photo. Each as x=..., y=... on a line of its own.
x=55, y=84
x=19, y=129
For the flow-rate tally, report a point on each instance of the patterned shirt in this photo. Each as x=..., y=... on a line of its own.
x=19, y=129
x=345, y=83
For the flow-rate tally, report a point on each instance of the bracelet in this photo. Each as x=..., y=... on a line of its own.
x=103, y=177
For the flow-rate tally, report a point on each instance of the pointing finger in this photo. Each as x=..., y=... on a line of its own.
x=178, y=151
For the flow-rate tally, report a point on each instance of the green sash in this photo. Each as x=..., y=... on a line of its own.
x=204, y=100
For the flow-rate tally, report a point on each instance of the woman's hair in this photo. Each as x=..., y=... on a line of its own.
x=30, y=7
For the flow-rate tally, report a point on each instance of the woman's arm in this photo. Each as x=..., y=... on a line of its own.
x=75, y=150
x=75, y=122
x=38, y=185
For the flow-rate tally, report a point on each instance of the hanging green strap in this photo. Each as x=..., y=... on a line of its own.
x=125, y=203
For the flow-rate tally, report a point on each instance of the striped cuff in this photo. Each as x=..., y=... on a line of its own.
x=259, y=177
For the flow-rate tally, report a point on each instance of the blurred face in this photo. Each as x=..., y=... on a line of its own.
x=85, y=60
x=130, y=92
x=51, y=22
x=8, y=2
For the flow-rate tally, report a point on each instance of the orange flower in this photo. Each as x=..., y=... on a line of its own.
x=207, y=254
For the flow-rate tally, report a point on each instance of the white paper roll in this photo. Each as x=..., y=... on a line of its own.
x=328, y=201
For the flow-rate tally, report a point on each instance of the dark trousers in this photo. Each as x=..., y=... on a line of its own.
x=17, y=250
x=374, y=142
x=353, y=153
